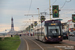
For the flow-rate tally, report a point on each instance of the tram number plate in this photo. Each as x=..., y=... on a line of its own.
x=53, y=23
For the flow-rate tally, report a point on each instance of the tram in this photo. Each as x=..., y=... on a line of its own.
x=49, y=31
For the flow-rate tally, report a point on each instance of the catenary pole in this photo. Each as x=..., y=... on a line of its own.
x=50, y=9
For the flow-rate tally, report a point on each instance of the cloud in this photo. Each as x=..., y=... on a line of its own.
x=4, y=27
x=11, y=11
x=18, y=8
x=16, y=28
x=14, y=12
x=7, y=27
x=67, y=12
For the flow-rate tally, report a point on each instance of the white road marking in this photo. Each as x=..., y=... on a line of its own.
x=37, y=44
x=19, y=45
x=26, y=44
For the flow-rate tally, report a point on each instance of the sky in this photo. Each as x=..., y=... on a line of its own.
x=19, y=8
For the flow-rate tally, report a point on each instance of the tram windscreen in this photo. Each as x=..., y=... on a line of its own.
x=53, y=30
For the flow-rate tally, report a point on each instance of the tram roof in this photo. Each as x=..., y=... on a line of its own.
x=49, y=21
x=52, y=21
x=43, y=23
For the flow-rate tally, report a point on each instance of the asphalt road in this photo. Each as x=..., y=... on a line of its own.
x=72, y=38
x=30, y=43
x=22, y=45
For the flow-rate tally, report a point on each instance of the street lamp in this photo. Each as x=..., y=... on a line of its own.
x=30, y=27
x=50, y=9
x=38, y=15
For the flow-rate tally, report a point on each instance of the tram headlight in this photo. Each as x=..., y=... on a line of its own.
x=49, y=37
x=46, y=38
x=59, y=36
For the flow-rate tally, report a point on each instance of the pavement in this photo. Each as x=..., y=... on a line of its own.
x=69, y=42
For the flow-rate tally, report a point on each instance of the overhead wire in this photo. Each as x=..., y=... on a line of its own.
x=61, y=7
x=52, y=4
x=64, y=3
x=30, y=6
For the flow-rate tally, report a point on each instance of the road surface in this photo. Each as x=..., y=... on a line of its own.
x=30, y=43
x=72, y=38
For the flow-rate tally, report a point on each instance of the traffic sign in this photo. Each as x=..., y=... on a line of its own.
x=42, y=18
x=31, y=25
x=73, y=18
x=35, y=23
x=55, y=11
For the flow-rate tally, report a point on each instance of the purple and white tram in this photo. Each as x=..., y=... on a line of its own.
x=49, y=31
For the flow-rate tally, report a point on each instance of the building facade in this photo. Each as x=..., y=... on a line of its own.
x=71, y=25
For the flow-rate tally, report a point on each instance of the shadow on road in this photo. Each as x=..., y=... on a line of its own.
x=49, y=42
x=53, y=42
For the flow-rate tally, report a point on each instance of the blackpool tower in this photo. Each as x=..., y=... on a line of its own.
x=12, y=31
x=12, y=24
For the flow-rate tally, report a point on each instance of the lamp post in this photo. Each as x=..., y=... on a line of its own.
x=32, y=19
x=5, y=31
x=30, y=27
x=50, y=9
x=33, y=25
x=39, y=15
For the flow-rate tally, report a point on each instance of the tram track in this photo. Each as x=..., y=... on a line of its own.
x=32, y=44
x=26, y=43
x=37, y=44
x=46, y=46
x=23, y=45
x=50, y=45
x=27, y=40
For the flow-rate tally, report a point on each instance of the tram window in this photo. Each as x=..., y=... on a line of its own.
x=53, y=30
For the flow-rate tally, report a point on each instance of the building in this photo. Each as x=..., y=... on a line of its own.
x=64, y=27
x=71, y=25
